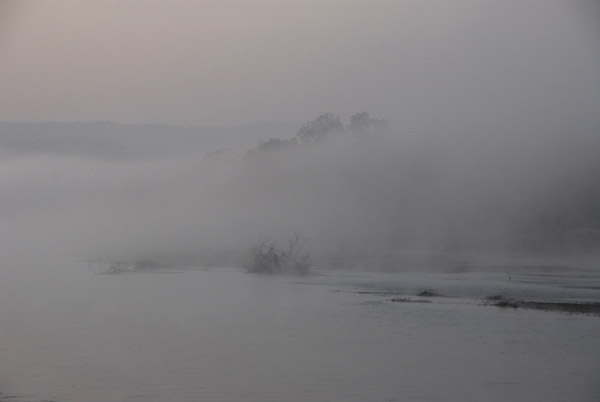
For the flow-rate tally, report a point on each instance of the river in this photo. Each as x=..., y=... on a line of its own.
x=67, y=334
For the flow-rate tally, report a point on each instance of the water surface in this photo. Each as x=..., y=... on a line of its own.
x=223, y=335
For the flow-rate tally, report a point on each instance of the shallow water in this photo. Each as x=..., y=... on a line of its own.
x=223, y=335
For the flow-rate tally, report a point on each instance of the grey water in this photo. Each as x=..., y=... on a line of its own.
x=67, y=334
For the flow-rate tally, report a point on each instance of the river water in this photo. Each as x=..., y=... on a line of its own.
x=67, y=334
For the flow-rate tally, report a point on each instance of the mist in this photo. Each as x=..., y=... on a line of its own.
x=158, y=193
x=490, y=145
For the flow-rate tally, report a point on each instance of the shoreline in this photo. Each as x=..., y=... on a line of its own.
x=588, y=308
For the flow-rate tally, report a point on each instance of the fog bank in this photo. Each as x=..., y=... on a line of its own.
x=354, y=193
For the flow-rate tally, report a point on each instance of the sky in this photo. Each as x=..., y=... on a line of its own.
x=420, y=64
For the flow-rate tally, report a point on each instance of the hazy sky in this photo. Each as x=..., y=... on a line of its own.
x=236, y=62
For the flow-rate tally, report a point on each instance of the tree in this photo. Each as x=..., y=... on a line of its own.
x=319, y=128
x=276, y=144
x=267, y=258
x=362, y=122
x=294, y=257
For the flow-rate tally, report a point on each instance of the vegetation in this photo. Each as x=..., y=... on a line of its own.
x=362, y=122
x=318, y=130
x=268, y=258
x=444, y=196
x=276, y=144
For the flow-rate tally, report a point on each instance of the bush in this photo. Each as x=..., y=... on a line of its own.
x=267, y=258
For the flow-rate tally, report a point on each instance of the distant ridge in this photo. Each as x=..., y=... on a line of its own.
x=106, y=139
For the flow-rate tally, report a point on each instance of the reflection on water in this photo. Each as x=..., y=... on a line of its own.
x=222, y=335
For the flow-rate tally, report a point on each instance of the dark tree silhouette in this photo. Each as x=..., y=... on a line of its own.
x=362, y=122
x=319, y=128
x=267, y=258
x=276, y=144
